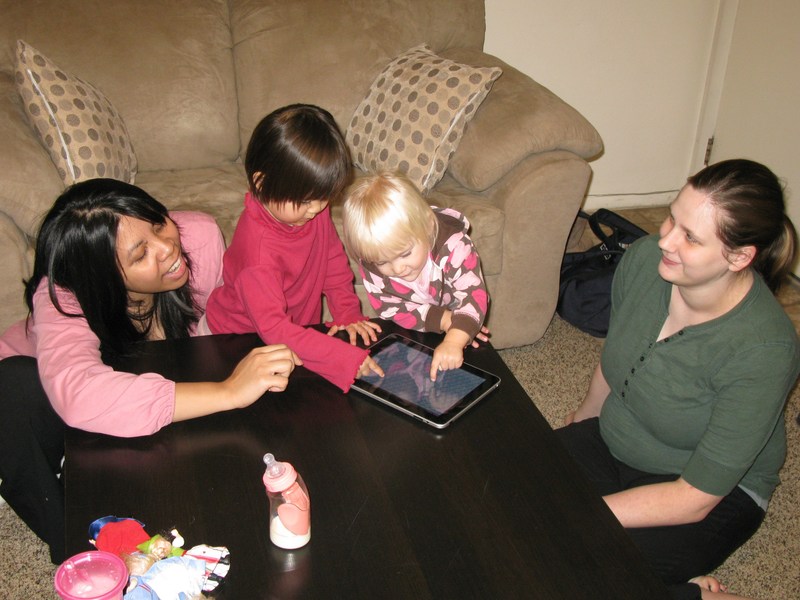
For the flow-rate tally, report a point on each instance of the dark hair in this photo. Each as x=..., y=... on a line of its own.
x=297, y=153
x=752, y=212
x=76, y=249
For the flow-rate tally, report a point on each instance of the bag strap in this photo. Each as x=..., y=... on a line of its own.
x=576, y=258
x=623, y=232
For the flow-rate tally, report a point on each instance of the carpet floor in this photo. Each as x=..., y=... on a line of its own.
x=555, y=372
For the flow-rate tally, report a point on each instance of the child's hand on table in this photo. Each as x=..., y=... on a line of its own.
x=366, y=329
x=483, y=335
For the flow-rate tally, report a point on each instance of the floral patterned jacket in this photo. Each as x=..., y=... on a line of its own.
x=456, y=283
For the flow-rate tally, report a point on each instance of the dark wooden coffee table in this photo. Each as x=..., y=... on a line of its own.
x=491, y=507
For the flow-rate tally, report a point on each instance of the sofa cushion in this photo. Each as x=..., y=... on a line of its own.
x=80, y=128
x=414, y=115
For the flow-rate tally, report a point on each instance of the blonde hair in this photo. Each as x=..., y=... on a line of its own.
x=382, y=213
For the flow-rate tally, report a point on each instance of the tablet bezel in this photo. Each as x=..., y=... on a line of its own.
x=488, y=384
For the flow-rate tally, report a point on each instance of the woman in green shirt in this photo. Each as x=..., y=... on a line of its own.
x=682, y=426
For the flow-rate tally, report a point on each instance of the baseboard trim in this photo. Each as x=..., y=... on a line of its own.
x=618, y=201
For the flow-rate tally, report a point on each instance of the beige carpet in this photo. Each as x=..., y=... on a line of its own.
x=555, y=372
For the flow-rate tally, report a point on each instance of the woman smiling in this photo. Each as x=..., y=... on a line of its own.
x=682, y=427
x=112, y=268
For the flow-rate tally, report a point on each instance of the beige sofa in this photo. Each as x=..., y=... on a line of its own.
x=191, y=78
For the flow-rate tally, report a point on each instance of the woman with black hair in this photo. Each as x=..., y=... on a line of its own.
x=112, y=268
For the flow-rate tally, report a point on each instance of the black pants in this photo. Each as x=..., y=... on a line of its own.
x=679, y=552
x=31, y=449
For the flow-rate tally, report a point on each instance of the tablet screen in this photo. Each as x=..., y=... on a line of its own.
x=407, y=384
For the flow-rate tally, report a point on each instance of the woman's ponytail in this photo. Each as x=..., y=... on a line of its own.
x=775, y=262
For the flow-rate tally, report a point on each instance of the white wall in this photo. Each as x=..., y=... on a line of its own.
x=636, y=69
x=759, y=116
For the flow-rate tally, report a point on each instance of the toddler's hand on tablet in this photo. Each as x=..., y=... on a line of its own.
x=447, y=355
x=450, y=353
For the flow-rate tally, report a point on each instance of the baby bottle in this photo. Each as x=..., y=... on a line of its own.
x=289, y=505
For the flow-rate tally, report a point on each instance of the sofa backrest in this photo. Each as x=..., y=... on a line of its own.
x=167, y=67
x=327, y=52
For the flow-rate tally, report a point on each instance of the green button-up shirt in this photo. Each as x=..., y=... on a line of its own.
x=707, y=402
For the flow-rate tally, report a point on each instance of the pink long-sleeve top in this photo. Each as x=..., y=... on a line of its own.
x=274, y=278
x=84, y=391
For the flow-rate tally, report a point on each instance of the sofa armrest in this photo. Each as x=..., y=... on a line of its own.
x=539, y=197
x=518, y=118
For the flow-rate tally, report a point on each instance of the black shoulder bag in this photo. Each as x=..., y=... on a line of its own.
x=584, y=294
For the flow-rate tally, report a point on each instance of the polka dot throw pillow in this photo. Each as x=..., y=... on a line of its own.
x=414, y=115
x=75, y=122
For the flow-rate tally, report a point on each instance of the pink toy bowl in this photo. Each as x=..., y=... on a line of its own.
x=92, y=575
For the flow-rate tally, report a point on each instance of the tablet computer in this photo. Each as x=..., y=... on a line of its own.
x=407, y=384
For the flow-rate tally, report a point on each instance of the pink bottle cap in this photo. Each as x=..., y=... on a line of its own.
x=279, y=475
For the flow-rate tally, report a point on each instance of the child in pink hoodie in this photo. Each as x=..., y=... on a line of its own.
x=285, y=254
